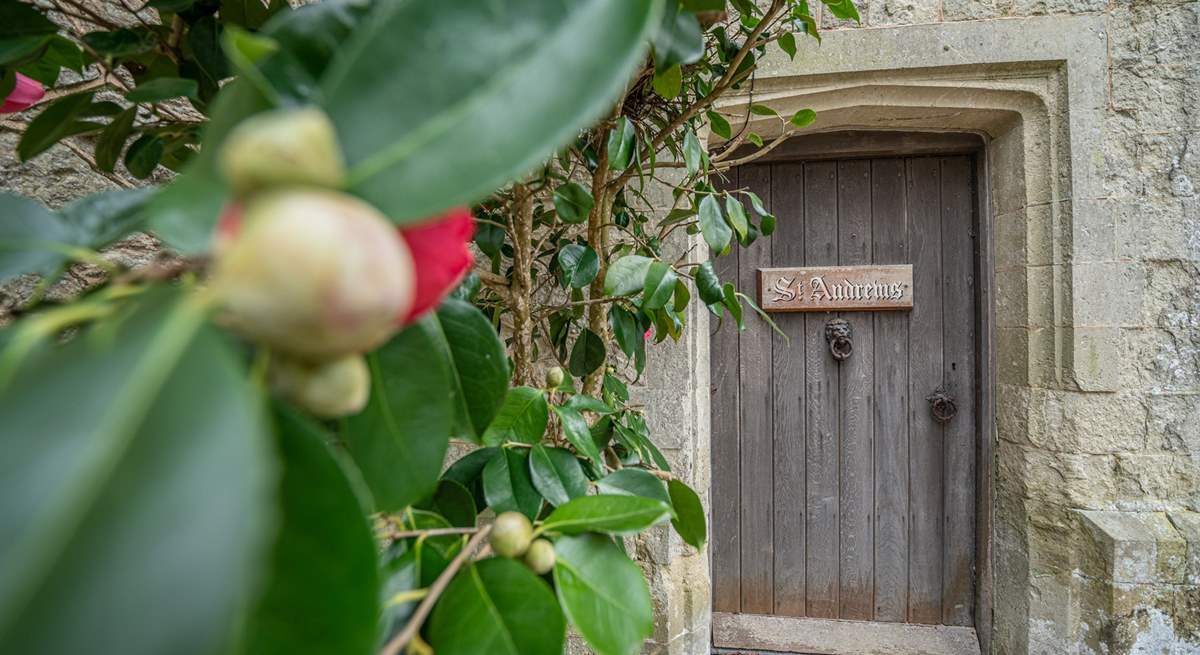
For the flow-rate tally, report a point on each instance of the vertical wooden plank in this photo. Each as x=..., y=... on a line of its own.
x=787, y=248
x=821, y=391
x=755, y=417
x=723, y=395
x=925, y=377
x=890, y=244
x=958, y=371
x=856, y=389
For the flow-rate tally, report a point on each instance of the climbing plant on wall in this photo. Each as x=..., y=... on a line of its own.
x=242, y=448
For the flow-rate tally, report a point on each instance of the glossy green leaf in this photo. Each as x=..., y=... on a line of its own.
x=668, y=83
x=682, y=296
x=556, y=474
x=315, y=605
x=767, y=225
x=157, y=477
x=689, y=519
x=112, y=140
x=708, y=284
x=729, y=298
x=575, y=429
x=603, y=594
x=97, y=220
x=18, y=19
x=30, y=237
x=713, y=226
x=625, y=329
x=143, y=155
x=401, y=574
x=719, y=125
x=453, y=501
x=499, y=607
x=843, y=9
x=763, y=110
x=399, y=440
x=626, y=275
x=579, y=265
x=507, y=484
x=163, y=88
x=632, y=481
x=737, y=216
x=468, y=471
x=622, y=141
x=587, y=354
x=616, y=514
x=754, y=138
x=659, y=285
x=57, y=53
x=693, y=153
x=522, y=418
x=803, y=118
x=480, y=365
x=787, y=43
x=678, y=39
x=583, y=402
x=56, y=122
x=426, y=135
x=573, y=202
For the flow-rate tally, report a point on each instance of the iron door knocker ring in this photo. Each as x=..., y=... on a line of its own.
x=942, y=406
x=839, y=335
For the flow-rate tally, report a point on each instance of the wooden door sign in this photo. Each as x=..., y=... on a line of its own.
x=836, y=288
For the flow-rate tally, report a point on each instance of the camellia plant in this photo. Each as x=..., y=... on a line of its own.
x=242, y=448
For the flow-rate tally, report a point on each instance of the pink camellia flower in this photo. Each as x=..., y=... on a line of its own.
x=441, y=255
x=26, y=92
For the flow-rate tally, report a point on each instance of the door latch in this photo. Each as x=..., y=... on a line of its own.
x=839, y=335
x=942, y=406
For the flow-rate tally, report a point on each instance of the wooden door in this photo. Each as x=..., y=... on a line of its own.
x=836, y=493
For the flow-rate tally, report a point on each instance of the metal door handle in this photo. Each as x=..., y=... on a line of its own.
x=840, y=337
x=942, y=406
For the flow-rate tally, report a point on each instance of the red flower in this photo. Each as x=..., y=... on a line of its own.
x=24, y=94
x=441, y=255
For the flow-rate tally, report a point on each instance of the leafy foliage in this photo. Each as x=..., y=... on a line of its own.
x=168, y=472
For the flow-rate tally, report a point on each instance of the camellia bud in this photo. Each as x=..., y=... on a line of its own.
x=327, y=389
x=511, y=534
x=554, y=377
x=286, y=147
x=314, y=274
x=540, y=556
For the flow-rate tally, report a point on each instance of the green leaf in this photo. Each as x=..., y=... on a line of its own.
x=708, y=284
x=626, y=275
x=100, y=219
x=156, y=480
x=56, y=122
x=617, y=514
x=754, y=138
x=579, y=265
x=143, y=155
x=468, y=471
x=573, y=203
x=693, y=153
x=731, y=303
x=682, y=296
x=583, y=402
x=497, y=606
x=603, y=594
x=556, y=474
x=787, y=43
x=712, y=225
x=621, y=143
x=587, y=354
x=19, y=19
x=172, y=6
x=763, y=110
x=632, y=481
x=164, y=88
x=522, y=418
x=314, y=605
x=507, y=485
x=719, y=125
x=678, y=39
x=689, y=519
x=442, y=127
x=625, y=329
x=480, y=365
x=455, y=502
x=250, y=14
x=57, y=53
x=399, y=440
x=659, y=285
x=703, y=5
x=121, y=43
x=767, y=225
x=30, y=237
x=112, y=140
x=843, y=9
x=669, y=83
x=576, y=430
x=803, y=118
x=737, y=216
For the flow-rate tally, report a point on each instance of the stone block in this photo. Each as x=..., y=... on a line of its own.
x=1188, y=525
x=1137, y=547
x=1158, y=230
x=1095, y=357
x=1087, y=423
x=1107, y=293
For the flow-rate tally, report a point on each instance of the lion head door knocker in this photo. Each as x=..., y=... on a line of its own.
x=840, y=338
x=942, y=405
